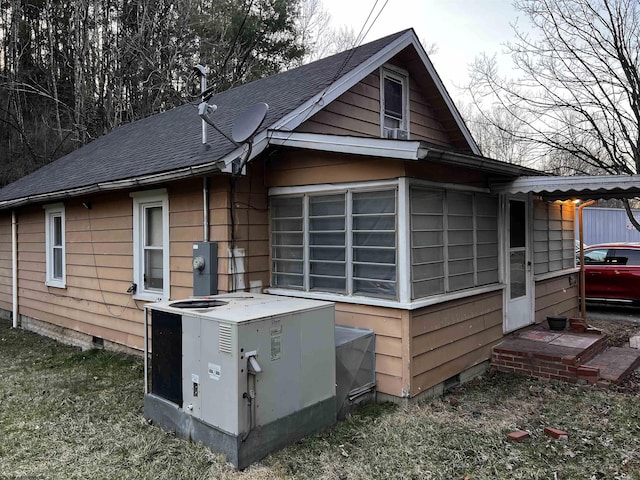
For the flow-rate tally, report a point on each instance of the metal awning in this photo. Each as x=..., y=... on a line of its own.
x=578, y=187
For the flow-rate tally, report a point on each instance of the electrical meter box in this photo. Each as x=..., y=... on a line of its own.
x=251, y=374
x=205, y=269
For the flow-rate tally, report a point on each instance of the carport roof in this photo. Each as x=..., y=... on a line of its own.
x=579, y=187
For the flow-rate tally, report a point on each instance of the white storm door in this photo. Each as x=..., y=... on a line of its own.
x=519, y=301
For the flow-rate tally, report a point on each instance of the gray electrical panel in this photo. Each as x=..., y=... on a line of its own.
x=205, y=269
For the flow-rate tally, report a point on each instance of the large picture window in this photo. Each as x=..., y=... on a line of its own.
x=340, y=242
x=454, y=240
x=151, y=245
x=55, y=246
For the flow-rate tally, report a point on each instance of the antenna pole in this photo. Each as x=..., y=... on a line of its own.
x=203, y=89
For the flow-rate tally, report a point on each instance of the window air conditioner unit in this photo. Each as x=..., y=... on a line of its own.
x=397, y=134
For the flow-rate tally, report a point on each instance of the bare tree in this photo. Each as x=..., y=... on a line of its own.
x=492, y=129
x=578, y=91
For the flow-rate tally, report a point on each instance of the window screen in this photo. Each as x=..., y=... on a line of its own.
x=454, y=240
x=374, y=243
x=287, y=245
x=553, y=236
x=327, y=243
x=153, y=251
x=393, y=105
x=349, y=239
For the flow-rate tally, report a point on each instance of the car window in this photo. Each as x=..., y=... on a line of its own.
x=596, y=256
x=625, y=256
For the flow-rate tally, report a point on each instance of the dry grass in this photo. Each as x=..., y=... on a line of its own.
x=71, y=414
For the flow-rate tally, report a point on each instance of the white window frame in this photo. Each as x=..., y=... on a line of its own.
x=141, y=201
x=347, y=189
x=402, y=77
x=51, y=212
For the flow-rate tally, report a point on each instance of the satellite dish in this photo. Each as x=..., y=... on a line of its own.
x=248, y=122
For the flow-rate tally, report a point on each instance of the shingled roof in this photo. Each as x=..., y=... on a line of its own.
x=172, y=141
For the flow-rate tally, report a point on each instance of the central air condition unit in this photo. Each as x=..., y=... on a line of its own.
x=397, y=134
x=245, y=374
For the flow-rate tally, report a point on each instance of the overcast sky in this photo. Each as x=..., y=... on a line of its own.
x=461, y=29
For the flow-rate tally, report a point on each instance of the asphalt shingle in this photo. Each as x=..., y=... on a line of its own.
x=172, y=140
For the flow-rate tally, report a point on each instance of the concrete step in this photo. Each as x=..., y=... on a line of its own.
x=615, y=363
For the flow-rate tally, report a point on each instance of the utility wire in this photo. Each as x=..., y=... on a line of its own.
x=360, y=37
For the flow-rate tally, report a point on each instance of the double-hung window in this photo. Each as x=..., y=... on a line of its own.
x=339, y=242
x=394, y=104
x=55, y=245
x=151, y=244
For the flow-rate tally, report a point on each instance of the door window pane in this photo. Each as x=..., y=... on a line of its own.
x=517, y=266
x=517, y=224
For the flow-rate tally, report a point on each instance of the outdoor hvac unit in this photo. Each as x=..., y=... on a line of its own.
x=245, y=374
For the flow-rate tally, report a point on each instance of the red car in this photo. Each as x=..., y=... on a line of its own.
x=612, y=272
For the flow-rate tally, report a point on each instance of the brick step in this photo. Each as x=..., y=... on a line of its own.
x=564, y=356
x=615, y=363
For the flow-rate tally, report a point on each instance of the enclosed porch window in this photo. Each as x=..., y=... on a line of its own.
x=340, y=242
x=454, y=240
x=553, y=236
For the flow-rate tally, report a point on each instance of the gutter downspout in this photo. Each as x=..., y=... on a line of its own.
x=583, y=302
x=14, y=267
x=205, y=203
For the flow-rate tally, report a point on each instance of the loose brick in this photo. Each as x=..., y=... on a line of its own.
x=518, y=436
x=556, y=433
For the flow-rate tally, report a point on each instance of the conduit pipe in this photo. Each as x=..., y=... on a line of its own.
x=205, y=203
x=14, y=267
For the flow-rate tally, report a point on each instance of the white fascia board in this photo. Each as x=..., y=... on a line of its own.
x=343, y=83
x=375, y=147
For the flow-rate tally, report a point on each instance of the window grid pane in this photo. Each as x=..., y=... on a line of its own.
x=553, y=236
x=287, y=242
x=327, y=236
x=471, y=224
x=374, y=243
x=369, y=268
x=427, y=242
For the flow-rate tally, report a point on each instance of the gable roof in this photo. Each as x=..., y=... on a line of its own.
x=169, y=145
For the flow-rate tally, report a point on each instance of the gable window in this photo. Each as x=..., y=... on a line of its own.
x=342, y=242
x=394, y=101
x=454, y=241
x=55, y=246
x=151, y=245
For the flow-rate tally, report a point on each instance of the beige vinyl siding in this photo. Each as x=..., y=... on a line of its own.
x=357, y=112
x=251, y=218
x=185, y=228
x=99, y=258
x=6, y=281
x=99, y=271
x=424, y=119
x=451, y=337
x=391, y=327
x=314, y=168
x=557, y=296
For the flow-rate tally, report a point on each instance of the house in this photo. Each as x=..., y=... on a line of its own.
x=363, y=186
